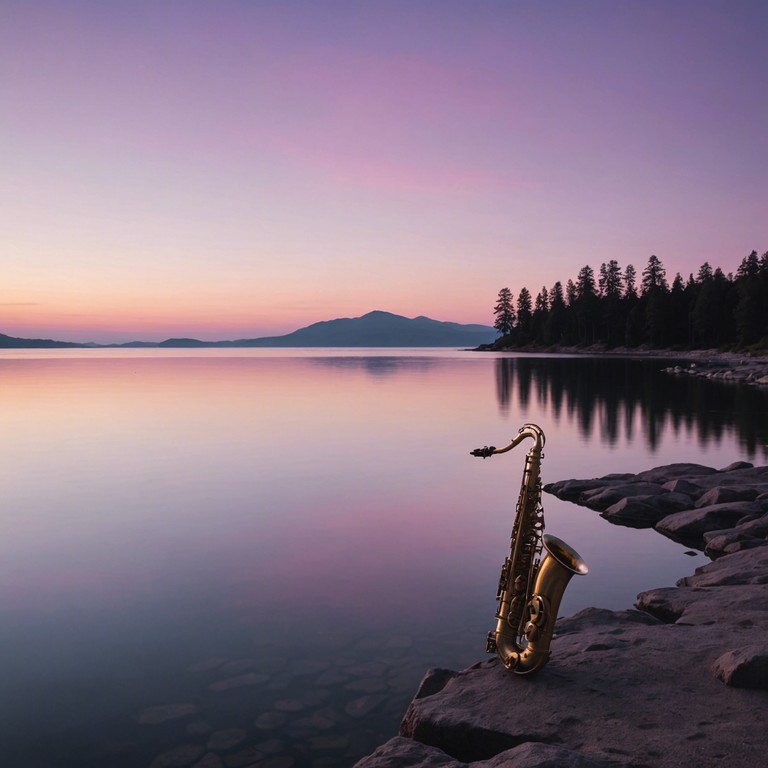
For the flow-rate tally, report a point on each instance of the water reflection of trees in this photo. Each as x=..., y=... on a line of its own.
x=616, y=395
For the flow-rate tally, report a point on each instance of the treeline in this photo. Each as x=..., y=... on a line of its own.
x=618, y=309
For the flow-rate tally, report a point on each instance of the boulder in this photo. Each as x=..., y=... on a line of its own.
x=743, y=667
x=400, y=751
x=689, y=527
x=626, y=688
x=635, y=512
x=621, y=686
x=723, y=543
x=746, y=567
x=684, y=486
x=756, y=525
x=673, y=471
x=725, y=494
x=570, y=490
x=737, y=465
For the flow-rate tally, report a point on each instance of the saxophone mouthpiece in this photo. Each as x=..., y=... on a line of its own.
x=485, y=452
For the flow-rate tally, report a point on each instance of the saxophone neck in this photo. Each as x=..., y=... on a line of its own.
x=527, y=430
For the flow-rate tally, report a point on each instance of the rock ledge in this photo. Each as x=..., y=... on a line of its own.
x=681, y=680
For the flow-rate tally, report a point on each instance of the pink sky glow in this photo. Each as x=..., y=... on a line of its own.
x=231, y=170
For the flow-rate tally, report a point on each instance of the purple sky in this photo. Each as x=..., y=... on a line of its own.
x=238, y=169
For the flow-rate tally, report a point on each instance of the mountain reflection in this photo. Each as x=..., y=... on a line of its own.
x=615, y=396
x=377, y=366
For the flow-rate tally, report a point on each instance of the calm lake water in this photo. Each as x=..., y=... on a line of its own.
x=283, y=541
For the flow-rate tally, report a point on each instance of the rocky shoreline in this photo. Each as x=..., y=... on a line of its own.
x=681, y=679
x=707, y=363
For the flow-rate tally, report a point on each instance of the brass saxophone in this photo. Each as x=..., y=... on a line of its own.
x=530, y=589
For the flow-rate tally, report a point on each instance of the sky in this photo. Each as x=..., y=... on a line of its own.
x=228, y=170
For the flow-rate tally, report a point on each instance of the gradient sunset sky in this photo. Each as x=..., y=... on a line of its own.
x=230, y=170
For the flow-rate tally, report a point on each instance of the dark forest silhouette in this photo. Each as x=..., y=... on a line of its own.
x=709, y=310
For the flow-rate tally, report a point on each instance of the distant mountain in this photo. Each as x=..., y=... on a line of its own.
x=12, y=342
x=379, y=329
x=376, y=329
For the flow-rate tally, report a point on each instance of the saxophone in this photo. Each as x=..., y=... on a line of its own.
x=530, y=588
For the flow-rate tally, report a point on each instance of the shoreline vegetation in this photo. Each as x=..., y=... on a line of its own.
x=741, y=367
x=710, y=310
x=681, y=678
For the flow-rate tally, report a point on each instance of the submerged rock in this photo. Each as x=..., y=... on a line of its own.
x=222, y=741
x=179, y=757
x=239, y=681
x=165, y=712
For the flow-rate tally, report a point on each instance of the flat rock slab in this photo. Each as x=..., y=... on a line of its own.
x=401, y=751
x=620, y=686
x=681, y=681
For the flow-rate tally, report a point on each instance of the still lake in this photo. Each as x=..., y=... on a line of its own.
x=281, y=542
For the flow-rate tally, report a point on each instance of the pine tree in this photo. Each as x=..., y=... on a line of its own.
x=505, y=312
x=524, y=314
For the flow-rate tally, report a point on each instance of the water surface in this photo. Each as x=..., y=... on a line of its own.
x=307, y=524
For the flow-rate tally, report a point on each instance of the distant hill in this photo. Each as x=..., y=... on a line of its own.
x=12, y=342
x=379, y=329
x=376, y=329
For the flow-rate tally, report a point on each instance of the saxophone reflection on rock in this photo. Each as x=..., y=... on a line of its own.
x=530, y=588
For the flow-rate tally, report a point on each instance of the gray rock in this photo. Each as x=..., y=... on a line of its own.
x=164, y=713
x=237, y=667
x=315, y=722
x=684, y=486
x=209, y=761
x=600, y=498
x=399, y=752
x=269, y=721
x=606, y=693
x=689, y=527
x=244, y=757
x=534, y=754
x=737, y=465
x=179, y=757
x=725, y=494
x=673, y=471
x=223, y=741
x=280, y=761
x=372, y=685
x=570, y=490
x=332, y=677
x=674, y=501
x=364, y=705
x=746, y=567
x=744, y=667
x=725, y=543
x=755, y=526
x=635, y=513
x=290, y=705
x=206, y=665
x=742, y=605
x=328, y=743
x=239, y=681
x=626, y=688
x=198, y=728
